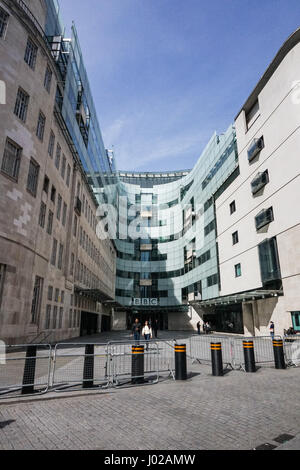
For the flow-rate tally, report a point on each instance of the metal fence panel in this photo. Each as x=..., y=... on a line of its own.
x=292, y=349
x=69, y=360
x=13, y=378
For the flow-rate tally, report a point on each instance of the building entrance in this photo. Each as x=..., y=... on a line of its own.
x=89, y=323
x=150, y=316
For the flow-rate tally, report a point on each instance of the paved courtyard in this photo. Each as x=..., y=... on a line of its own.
x=238, y=411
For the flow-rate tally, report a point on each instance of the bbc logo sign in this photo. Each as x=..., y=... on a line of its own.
x=145, y=302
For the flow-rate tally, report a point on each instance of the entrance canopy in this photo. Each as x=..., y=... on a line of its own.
x=95, y=294
x=237, y=298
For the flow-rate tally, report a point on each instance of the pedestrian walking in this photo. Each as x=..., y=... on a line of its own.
x=272, y=329
x=198, y=327
x=136, y=330
x=147, y=333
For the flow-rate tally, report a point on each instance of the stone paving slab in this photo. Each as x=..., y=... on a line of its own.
x=238, y=411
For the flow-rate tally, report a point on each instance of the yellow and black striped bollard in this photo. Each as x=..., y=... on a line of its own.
x=137, y=364
x=180, y=362
x=216, y=359
x=249, y=356
x=278, y=354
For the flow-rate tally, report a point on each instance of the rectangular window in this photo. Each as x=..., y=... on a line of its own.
x=265, y=217
x=64, y=216
x=209, y=228
x=11, y=159
x=68, y=175
x=46, y=184
x=60, y=256
x=259, y=182
x=70, y=318
x=51, y=144
x=212, y=280
x=252, y=114
x=269, y=261
x=235, y=238
x=75, y=226
x=53, y=194
x=42, y=216
x=63, y=167
x=2, y=277
x=72, y=264
x=50, y=293
x=255, y=148
x=238, y=270
x=36, y=299
x=58, y=209
x=232, y=207
x=3, y=22
x=56, y=296
x=54, y=250
x=48, y=78
x=30, y=54
x=48, y=317
x=21, y=105
x=57, y=157
x=41, y=126
x=54, y=319
x=50, y=222
x=60, y=321
x=33, y=176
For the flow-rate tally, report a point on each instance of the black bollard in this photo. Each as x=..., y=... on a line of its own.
x=29, y=370
x=278, y=354
x=180, y=362
x=88, y=368
x=216, y=359
x=137, y=365
x=249, y=356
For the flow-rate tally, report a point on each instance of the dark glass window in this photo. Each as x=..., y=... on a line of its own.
x=21, y=105
x=11, y=159
x=235, y=238
x=264, y=218
x=232, y=207
x=269, y=260
x=259, y=181
x=30, y=54
x=41, y=126
x=238, y=270
x=33, y=176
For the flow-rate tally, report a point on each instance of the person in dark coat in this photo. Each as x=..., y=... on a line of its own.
x=136, y=330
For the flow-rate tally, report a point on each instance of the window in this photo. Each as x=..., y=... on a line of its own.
x=21, y=105
x=60, y=256
x=238, y=270
x=48, y=317
x=259, y=181
x=42, y=216
x=11, y=159
x=57, y=157
x=50, y=292
x=54, y=319
x=3, y=22
x=232, y=207
x=64, y=216
x=54, y=250
x=33, y=175
x=72, y=264
x=252, y=114
x=235, y=238
x=212, y=280
x=50, y=222
x=61, y=314
x=209, y=228
x=36, y=299
x=2, y=277
x=30, y=54
x=59, y=204
x=70, y=318
x=51, y=144
x=75, y=226
x=264, y=218
x=269, y=261
x=68, y=175
x=56, y=297
x=255, y=148
x=53, y=194
x=63, y=167
x=41, y=126
x=48, y=78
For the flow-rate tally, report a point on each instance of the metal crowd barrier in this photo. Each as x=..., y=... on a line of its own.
x=80, y=365
x=121, y=357
x=26, y=370
x=291, y=345
x=232, y=349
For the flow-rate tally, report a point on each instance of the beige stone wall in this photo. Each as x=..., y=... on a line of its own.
x=25, y=247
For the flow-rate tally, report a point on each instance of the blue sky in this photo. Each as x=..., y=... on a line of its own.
x=166, y=74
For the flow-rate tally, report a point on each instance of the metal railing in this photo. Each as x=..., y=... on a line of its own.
x=27, y=370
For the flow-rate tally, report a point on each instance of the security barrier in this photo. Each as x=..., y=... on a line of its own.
x=26, y=371
x=292, y=350
x=80, y=365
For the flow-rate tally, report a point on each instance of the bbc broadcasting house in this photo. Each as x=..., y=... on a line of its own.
x=218, y=243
